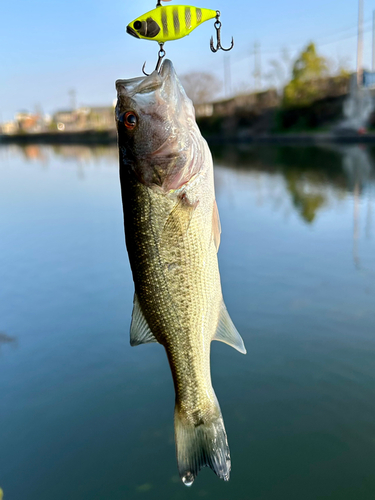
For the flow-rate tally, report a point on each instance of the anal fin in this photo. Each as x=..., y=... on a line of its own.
x=140, y=332
x=226, y=331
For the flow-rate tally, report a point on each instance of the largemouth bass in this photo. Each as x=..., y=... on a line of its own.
x=172, y=232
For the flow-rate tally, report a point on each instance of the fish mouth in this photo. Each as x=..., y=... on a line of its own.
x=167, y=69
x=132, y=32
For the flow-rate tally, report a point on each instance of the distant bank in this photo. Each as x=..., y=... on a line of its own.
x=236, y=136
x=85, y=137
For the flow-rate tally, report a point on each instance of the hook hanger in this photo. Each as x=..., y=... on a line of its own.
x=161, y=52
x=218, y=35
x=161, y=55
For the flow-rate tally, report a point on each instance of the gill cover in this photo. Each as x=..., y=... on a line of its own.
x=162, y=149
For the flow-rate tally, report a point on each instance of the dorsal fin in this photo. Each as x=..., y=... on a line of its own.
x=140, y=332
x=226, y=331
x=216, y=226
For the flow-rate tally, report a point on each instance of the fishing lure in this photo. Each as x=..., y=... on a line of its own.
x=167, y=23
x=172, y=22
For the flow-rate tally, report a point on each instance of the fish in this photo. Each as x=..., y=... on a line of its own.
x=168, y=23
x=172, y=233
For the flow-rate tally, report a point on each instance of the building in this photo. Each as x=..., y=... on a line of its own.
x=9, y=128
x=84, y=118
x=28, y=123
x=253, y=103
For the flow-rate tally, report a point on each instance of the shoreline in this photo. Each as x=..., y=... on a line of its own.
x=109, y=137
x=89, y=137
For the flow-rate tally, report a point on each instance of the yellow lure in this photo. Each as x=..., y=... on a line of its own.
x=169, y=23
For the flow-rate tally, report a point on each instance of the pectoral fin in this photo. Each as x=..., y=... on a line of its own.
x=226, y=331
x=178, y=222
x=140, y=332
x=216, y=226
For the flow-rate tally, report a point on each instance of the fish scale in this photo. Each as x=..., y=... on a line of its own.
x=172, y=234
x=158, y=288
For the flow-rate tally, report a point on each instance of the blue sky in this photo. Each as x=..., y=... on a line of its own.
x=48, y=48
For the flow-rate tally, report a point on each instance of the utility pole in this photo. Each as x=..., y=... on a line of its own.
x=360, y=44
x=373, y=41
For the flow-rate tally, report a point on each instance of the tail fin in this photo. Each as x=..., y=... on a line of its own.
x=201, y=445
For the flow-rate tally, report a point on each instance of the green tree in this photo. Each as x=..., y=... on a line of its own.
x=304, y=87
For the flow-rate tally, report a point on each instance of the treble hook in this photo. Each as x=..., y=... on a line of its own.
x=161, y=55
x=218, y=34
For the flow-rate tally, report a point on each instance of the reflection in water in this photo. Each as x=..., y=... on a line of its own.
x=356, y=224
x=369, y=213
x=73, y=418
x=309, y=173
x=357, y=165
x=75, y=153
x=6, y=339
x=313, y=176
x=33, y=152
x=359, y=169
x=306, y=202
x=78, y=155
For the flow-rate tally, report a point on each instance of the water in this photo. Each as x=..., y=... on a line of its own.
x=84, y=416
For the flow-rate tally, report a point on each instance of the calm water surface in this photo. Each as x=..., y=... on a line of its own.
x=83, y=416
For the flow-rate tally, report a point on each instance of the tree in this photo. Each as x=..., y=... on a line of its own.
x=304, y=86
x=280, y=70
x=201, y=87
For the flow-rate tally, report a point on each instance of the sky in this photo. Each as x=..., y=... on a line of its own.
x=49, y=48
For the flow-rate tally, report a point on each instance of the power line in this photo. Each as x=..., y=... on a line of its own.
x=319, y=41
x=346, y=37
x=271, y=50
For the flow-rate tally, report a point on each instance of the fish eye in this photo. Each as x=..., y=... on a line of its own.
x=130, y=119
x=137, y=25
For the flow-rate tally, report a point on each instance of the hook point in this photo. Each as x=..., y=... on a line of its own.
x=212, y=47
x=143, y=69
x=230, y=48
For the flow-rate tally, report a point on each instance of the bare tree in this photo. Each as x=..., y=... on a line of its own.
x=280, y=71
x=339, y=66
x=201, y=87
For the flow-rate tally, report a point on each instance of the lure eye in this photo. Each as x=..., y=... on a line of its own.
x=130, y=120
x=138, y=25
